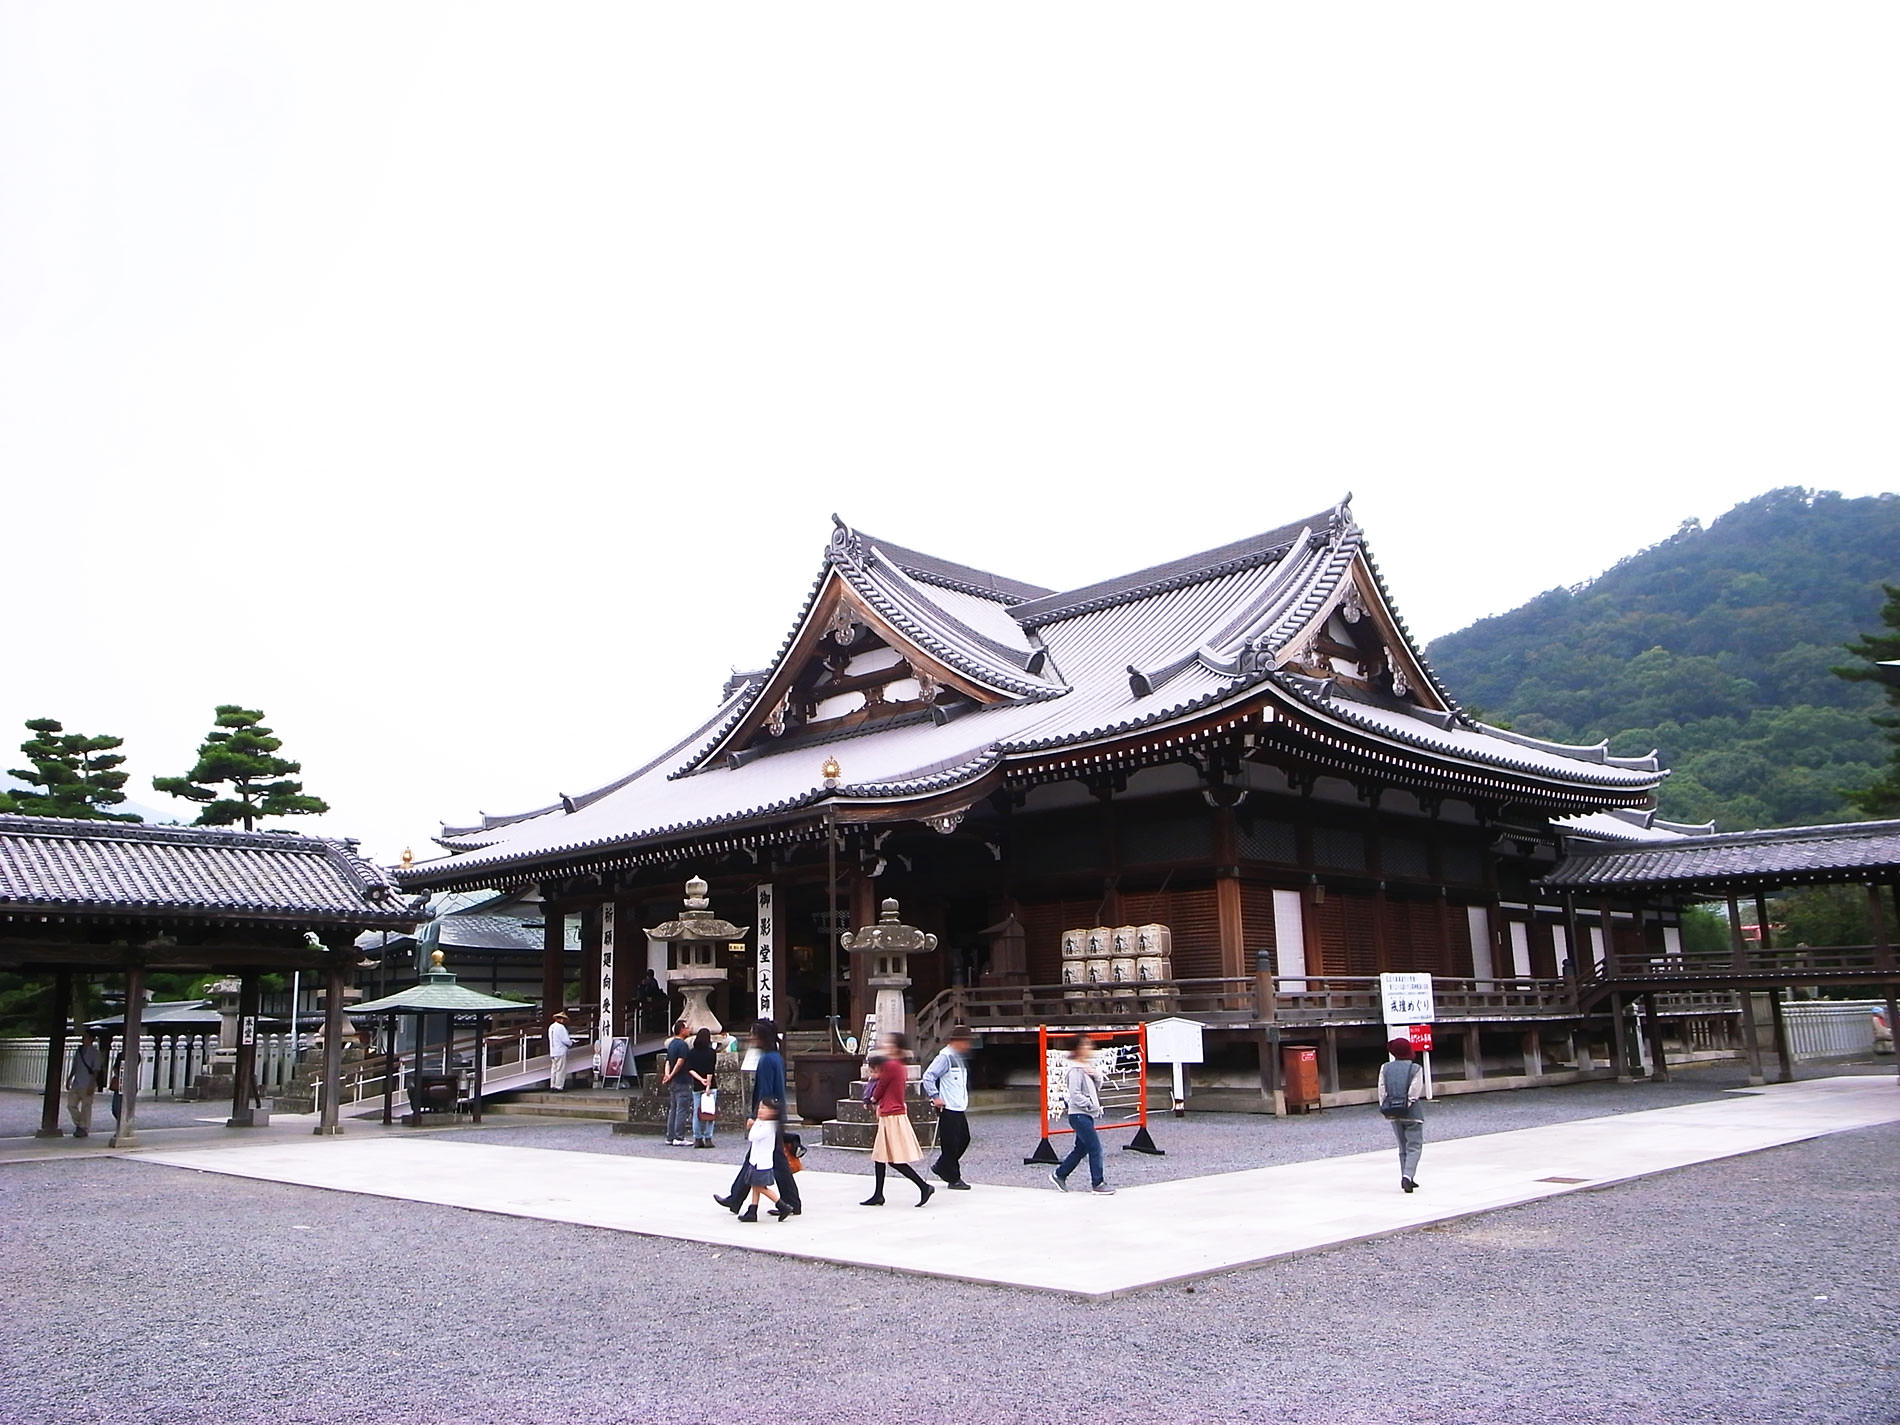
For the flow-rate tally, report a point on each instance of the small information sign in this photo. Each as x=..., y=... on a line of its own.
x=1407, y=999
x=1421, y=1035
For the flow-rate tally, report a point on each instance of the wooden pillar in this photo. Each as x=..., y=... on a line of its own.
x=1621, y=1032
x=244, y=1086
x=390, y=1022
x=327, y=1119
x=1533, y=1050
x=1658, y=1061
x=1329, y=1061
x=1738, y=960
x=1883, y=953
x=1783, y=1049
x=1270, y=1084
x=1474, y=1056
x=1233, y=938
x=56, y=1055
x=1612, y=963
x=861, y=900
x=553, y=960
x=481, y=1061
x=1579, y=967
x=129, y=1067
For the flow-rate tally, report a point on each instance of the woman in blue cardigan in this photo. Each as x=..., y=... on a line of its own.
x=768, y=1081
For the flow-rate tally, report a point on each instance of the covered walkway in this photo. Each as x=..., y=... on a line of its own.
x=1732, y=866
x=81, y=899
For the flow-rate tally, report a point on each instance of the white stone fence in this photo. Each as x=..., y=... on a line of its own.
x=1828, y=1029
x=168, y=1063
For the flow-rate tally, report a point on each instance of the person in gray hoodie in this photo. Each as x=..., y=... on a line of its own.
x=1082, y=1095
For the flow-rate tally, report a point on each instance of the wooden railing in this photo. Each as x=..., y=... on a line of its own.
x=1793, y=965
x=1318, y=999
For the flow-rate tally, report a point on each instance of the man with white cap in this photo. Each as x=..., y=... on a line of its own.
x=560, y=1040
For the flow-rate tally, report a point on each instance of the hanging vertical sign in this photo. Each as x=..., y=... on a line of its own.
x=604, y=1025
x=768, y=952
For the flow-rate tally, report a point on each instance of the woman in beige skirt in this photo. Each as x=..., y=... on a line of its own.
x=896, y=1142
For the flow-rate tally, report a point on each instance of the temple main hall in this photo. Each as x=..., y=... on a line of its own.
x=1245, y=747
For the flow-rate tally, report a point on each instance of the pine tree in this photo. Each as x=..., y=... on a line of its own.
x=240, y=751
x=1880, y=797
x=76, y=775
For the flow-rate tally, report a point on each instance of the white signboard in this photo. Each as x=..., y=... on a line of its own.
x=768, y=952
x=1407, y=999
x=1175, y=1041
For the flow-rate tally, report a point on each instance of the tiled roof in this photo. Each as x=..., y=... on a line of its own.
x=1803, y=855
x=1172, y=642
x=93, y=867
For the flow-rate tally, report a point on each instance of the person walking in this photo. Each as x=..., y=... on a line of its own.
x=896, y=1143
x=82, y=1082
x=678, y=1085
x=762, y=1146
x=702, y=1065
x=946, y=1083
x=1402, y=1101
x=560, y=1040
x=1082, y=1097
x=768, y=1082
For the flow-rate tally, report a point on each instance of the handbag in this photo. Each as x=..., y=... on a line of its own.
x=709, y=1105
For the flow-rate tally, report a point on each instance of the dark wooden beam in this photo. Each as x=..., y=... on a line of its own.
x=56, y=1055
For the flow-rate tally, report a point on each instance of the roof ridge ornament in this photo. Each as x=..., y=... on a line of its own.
x=847, y=545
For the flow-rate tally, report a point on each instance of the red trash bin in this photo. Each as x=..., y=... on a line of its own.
x=1299, y=1077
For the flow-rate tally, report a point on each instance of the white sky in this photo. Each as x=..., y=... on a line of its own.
x=469, y=387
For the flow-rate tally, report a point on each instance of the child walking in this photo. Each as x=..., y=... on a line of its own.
x=762, y=1141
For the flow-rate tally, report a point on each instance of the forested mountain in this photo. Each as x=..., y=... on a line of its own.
x=1715, y=647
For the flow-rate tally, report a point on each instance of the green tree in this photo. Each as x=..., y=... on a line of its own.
x=241, y=752
x=76, y=775
x=1881, y=796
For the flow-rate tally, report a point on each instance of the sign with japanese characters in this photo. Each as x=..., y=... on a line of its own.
x=767, y=941
x=1407, y=999
x=1421, y=1036
x=604, y=1031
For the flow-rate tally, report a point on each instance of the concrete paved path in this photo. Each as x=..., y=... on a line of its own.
x=1038, y=1238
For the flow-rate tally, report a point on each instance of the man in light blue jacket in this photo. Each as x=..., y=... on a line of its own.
x=946, y=1083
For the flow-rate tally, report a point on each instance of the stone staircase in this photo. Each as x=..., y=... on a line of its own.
x=604, y=1105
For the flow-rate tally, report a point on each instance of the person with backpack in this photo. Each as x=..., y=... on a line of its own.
x=83, y=1082
x=1402, y=1101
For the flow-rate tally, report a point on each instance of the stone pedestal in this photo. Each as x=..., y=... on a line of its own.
x=856, y=1124
x=646, y=1106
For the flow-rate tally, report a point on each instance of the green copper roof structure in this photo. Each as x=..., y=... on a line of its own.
x=436, y=993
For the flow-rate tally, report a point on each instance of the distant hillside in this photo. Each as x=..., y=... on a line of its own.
x=1713, y=646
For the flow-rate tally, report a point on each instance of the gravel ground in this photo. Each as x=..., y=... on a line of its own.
x=1753, y=1290
x=20, y=1114
x=1204, y=1143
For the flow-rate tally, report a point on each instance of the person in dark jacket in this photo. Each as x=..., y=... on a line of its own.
x=768, y=1081
x=702, y=1062
x=1402, y=1101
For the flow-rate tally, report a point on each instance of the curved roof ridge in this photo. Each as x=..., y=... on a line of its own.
x=1582, y=752
x=1306, y=691
x=938, y=631
x=1174, y=574
x=964, y=578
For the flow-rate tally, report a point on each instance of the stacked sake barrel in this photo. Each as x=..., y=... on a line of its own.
x=1107, y=966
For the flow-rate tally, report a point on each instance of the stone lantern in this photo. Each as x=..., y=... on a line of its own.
x=694, y=942
x=888, y=945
